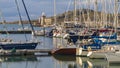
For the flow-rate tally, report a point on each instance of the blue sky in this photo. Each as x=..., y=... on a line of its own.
x=36, y=7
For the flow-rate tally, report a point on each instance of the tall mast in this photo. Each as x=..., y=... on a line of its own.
x=28, y=18
x=102, y=12
x=80, y=12
x=55, y=12
x=66, y=12
x=116, y=15
x=88, y=14
x=95, y=13
x=75, y=8
x=105, y=13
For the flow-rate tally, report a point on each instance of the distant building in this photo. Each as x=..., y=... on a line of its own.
x=48, y=21
x=42, y=19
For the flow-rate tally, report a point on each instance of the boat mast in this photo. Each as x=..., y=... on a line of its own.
x=21, y=22
x=80, y=11
x=66, y=12
x=28, y=18
x=106, y=20
x=116, y=15
x=88, y=14
x=95, y=13
x=75, y=11
x=109, y=6
x=55, y=13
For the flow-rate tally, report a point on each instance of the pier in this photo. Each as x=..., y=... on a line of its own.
x=113, y=58
x=23, y=52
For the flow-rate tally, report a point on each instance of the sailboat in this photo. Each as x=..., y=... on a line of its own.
x=109, y=47
x=95, y=44
x=70, y=50
x=19, y=45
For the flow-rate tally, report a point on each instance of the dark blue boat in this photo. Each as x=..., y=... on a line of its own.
x=97, y=43
x=17, y=45
x=75, y=38
x=114, y=36
x=50, y=33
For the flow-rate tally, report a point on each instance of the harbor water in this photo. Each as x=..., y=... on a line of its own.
x=47, y=61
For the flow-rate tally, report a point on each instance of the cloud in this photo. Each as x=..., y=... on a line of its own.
x=36, y=7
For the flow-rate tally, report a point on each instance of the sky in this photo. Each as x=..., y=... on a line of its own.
x=36, y=7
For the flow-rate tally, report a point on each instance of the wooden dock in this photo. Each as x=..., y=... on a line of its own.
x=23, y=52
x=113, y=58
x=97, y=56
x=16, y=32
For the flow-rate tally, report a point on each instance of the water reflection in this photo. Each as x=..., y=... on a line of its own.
x=18, y=58
x=53, y=62
x=18, y=61
x=78, y=62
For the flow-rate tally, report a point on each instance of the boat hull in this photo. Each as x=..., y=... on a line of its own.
x=64, y=51
x=69, y=51
x=8, y=46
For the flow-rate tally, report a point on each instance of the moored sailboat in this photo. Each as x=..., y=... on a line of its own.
x=95, y=44
x=7, y=45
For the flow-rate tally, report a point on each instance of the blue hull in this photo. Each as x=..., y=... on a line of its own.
x=98, y=44
x=9, y=46
x=74, y=38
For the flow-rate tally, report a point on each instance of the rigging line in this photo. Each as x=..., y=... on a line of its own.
x=29, y=18
x=16, y=2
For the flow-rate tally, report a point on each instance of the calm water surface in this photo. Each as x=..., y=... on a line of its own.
x=45, y=61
